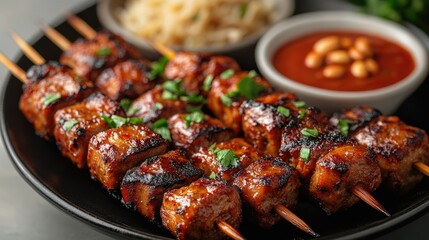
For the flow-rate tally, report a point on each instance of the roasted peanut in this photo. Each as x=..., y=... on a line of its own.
x=355, y=54
x=358, y=69
x=313, y=60
x=371, y=65
x=333, y=71
x=326, y=45
x=338, y=56
x=363, y=45
x=346, y=42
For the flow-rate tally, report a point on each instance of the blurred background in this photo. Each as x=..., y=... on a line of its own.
x=26, y=215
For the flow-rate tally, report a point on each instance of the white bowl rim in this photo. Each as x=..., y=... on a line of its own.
x=263, y=59
x=109, y=22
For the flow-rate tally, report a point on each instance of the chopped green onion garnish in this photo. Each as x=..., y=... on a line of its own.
x=299, y=104
x=157, y=106
x=158, y=68
x=302, y=114
x=212, y=175
x=195, y=117
x=227, y=101
x=304, y=154
x=69, y=124
x=133, y=110
x=226, y=74
x=172, y=89
x=50, y=98
x=161, y=127
x=193, y=98
x=243, y=10
x=344, y=126
x=168, y=95
x=191, y=108
x=207, y=82
x=309, y=132
x=103, y=52
x=284, y=111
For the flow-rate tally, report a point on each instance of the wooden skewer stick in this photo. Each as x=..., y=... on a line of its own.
x=295, y=220
x=16, y=71
x=229, y=230
x=29, y=51
x=369, y=199
x=423, y=168
x=56, y=37
x=81, y=26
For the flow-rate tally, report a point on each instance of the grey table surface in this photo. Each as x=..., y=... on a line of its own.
x=24, y=214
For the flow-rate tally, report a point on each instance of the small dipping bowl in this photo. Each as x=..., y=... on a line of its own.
x=386, y=99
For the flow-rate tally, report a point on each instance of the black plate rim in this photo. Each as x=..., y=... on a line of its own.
x=404, y=216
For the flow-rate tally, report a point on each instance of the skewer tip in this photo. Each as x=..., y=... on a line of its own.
x=370, y=200
x=422, y=167
x=295, y=220
x=229, y=230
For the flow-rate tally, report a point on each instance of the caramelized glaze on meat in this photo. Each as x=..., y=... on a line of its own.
x=151, y=106
x=262, y=123
x=45, y=81
x=198, y=134
x=293, y=141
x=265, y=184
x=397, y=145
x=191, y=212
x=89, y=57
x=206, y=159
x=86, y=115
x=113, y=152
x=339, y=171
x=194, y=68
x=143, y=187
x=128, y=79
x=230, y=115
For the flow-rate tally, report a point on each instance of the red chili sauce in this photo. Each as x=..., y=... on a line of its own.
x=395, y=63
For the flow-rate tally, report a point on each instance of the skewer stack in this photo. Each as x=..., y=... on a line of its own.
x=329, y=164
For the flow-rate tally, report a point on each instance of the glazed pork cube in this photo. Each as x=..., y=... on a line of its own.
x=113, y=152
x=89, y=57
x=229, y=90
x=265, y=117
x=128, y=79
x=341, y=170
x=143, y=187
x=192, y=212
x=196, y=68
x=193, y=131
x=50, y=88
x=75, y=125
x=223, y=160
x=265, y=184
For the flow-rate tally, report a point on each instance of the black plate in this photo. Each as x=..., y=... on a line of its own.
x=72, y=190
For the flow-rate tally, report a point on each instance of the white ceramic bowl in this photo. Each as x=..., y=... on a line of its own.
x=386, y=99
x=107, y=14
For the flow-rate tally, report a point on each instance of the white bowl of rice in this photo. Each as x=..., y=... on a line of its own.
x=215, y=26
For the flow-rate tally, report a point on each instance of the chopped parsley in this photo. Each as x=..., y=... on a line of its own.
x=302, y=114
x=133, y=110
x=103, y=52
x=157, y=106
x=195, y=117
x=191, y=108
x=243, y=10
x=284, y=111
x=249, y=88
x=117, y=121
x=172, y=89
x=225, y=157
x=158, y=68
x=227, y=101
x=207, y=82
x=227, y=73
x=125, y=104
x=50, y=98
x=69, y=124
x=304, y=154
x=309, y=132
x=161, y=127
x=193, y=98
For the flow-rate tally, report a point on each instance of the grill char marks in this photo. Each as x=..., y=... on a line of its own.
x=143, y=187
